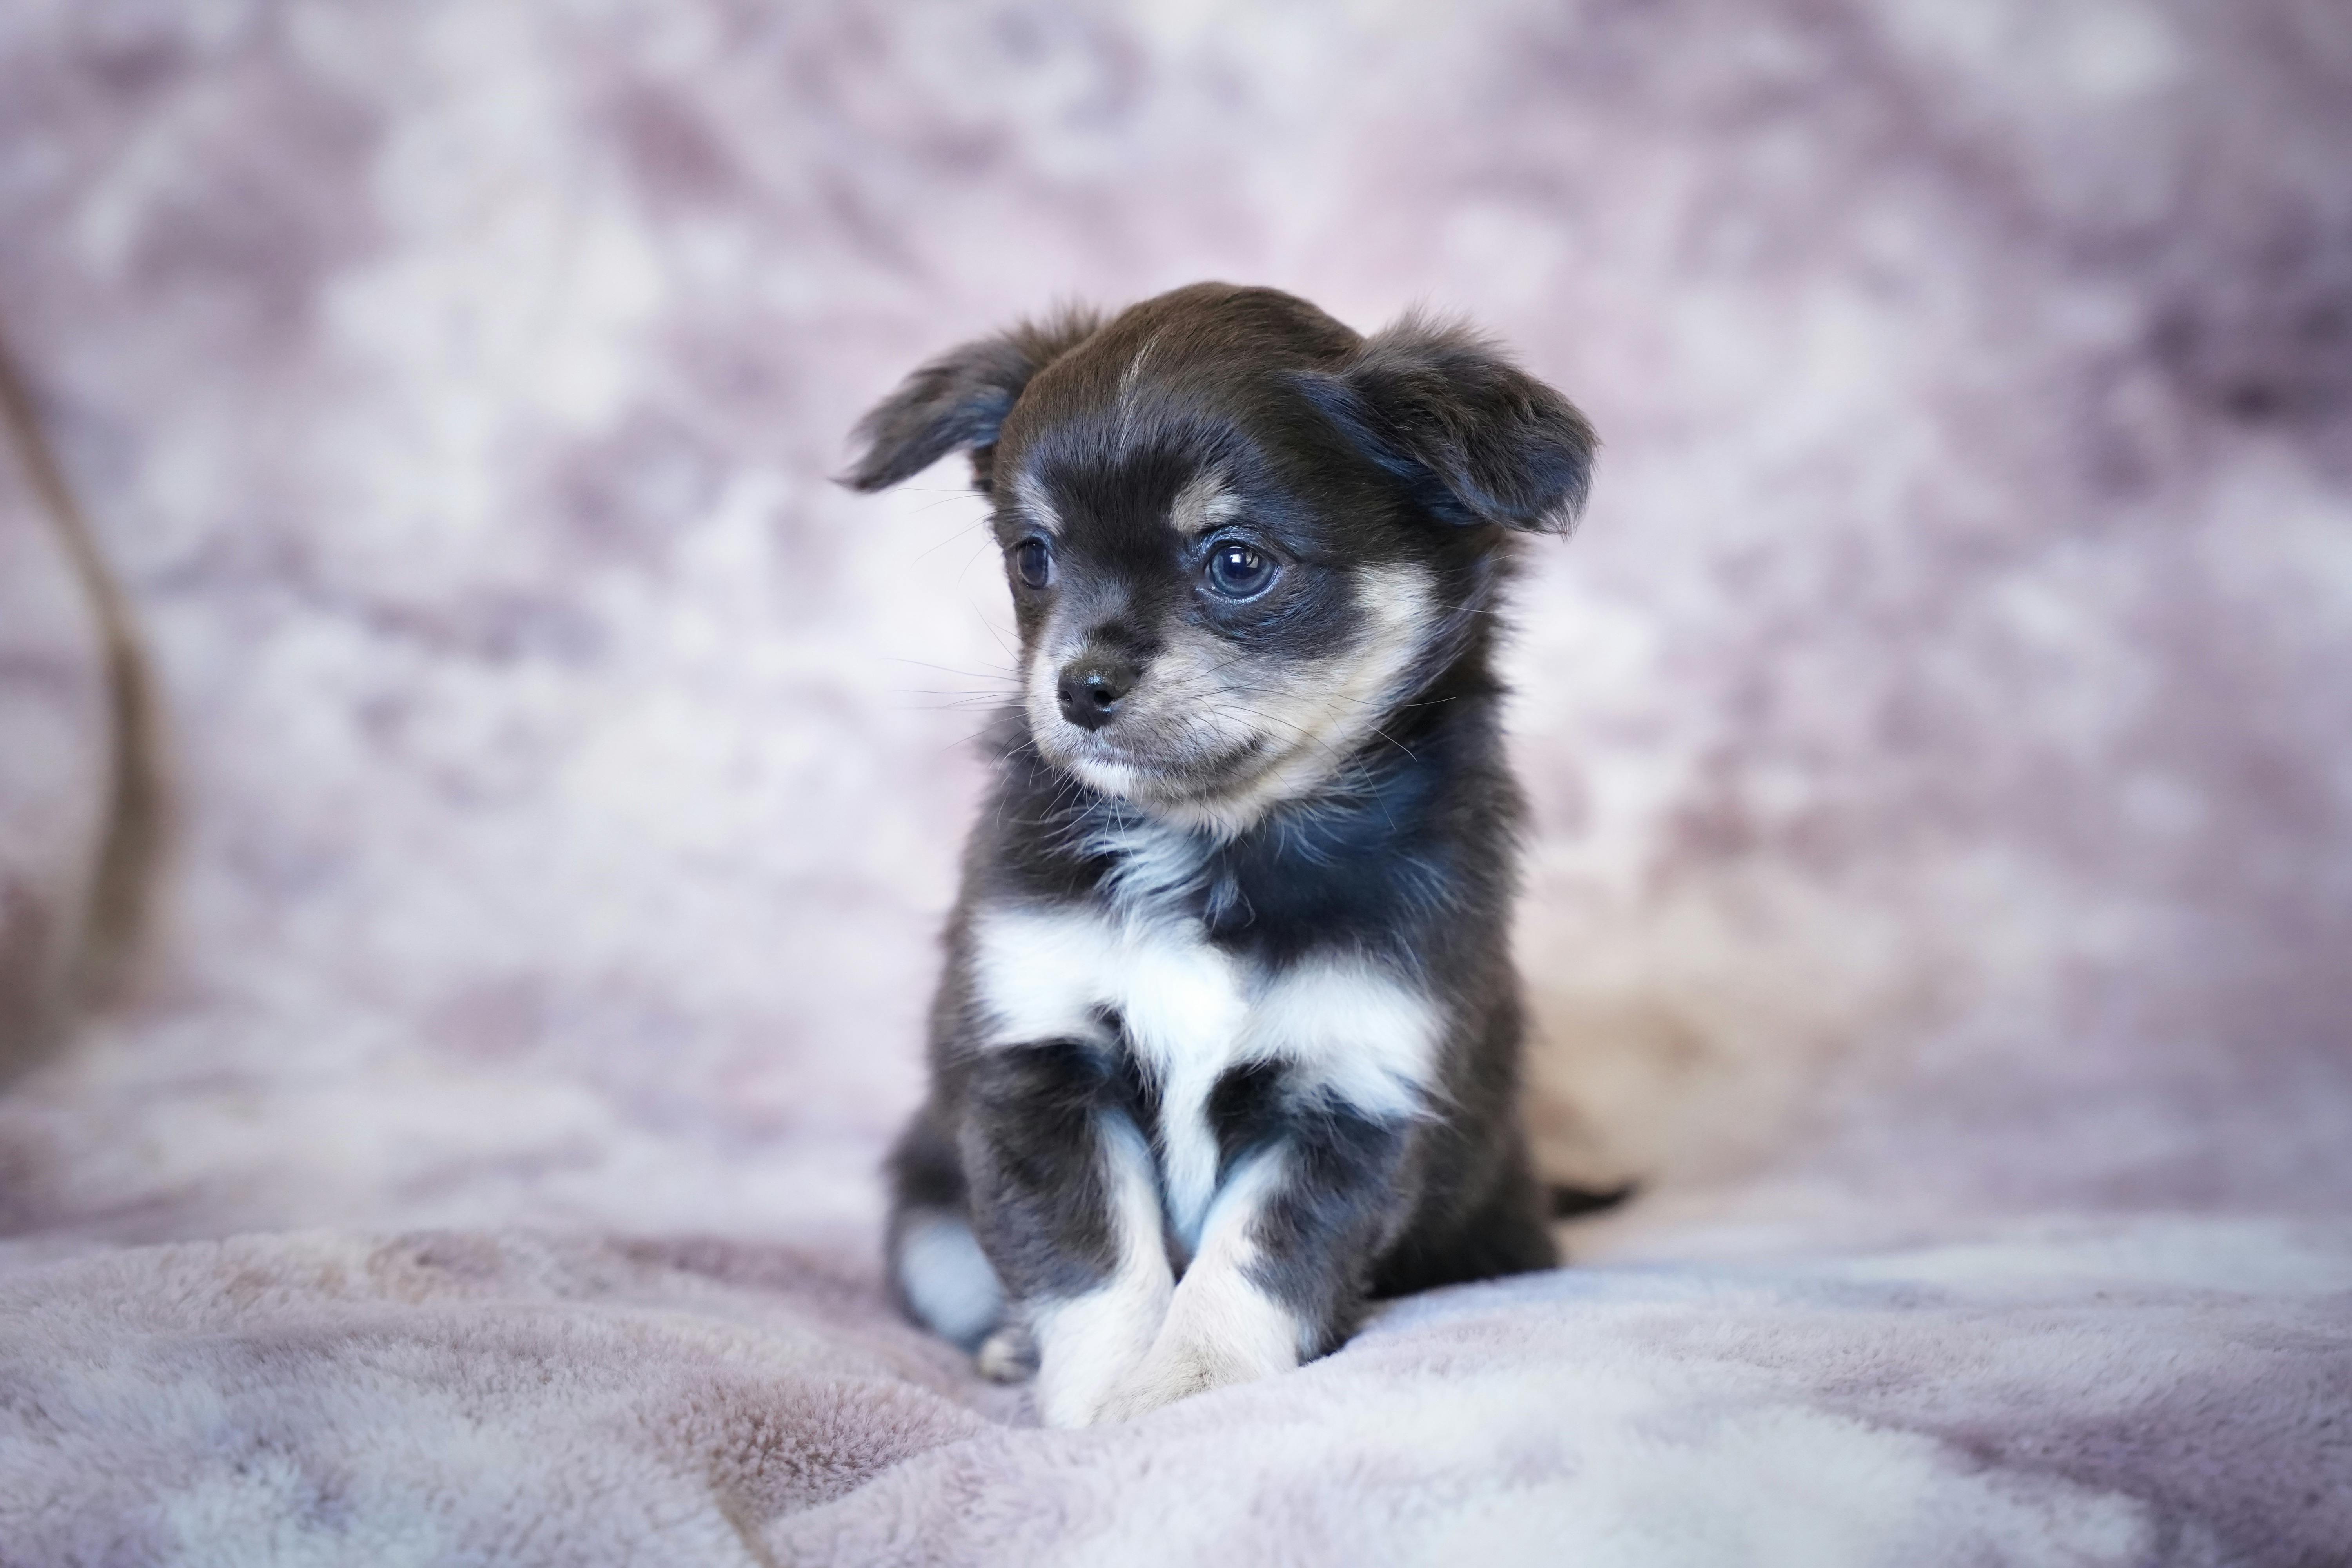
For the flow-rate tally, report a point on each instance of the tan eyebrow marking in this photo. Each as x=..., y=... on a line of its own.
x=1203, y=504
x=1035, y=503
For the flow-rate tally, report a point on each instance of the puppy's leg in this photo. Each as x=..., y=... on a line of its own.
x=1088, y=1341
x=940, y=1277
x=1284, y=1265
x=1068, y=1208
x=1223, y=1325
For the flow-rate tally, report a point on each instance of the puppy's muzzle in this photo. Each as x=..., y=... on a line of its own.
x=1090, y=690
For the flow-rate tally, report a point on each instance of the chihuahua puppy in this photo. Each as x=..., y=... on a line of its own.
x=1227, y=1044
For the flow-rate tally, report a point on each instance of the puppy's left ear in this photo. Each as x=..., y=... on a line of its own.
x=1478, y=439
x=959, y=399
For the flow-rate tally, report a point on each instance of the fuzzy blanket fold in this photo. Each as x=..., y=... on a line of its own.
x=465, y=1397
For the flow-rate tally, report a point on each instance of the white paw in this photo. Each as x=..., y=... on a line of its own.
x=1221, y=1330
x=1086, y=1345
x=1175, y=1370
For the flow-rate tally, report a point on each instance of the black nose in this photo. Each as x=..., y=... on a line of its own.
x=1090, y=690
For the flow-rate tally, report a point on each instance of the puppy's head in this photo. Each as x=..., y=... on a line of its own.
x=1239, y=536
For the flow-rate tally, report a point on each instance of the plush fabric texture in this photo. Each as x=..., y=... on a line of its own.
x=2079, y=1395
x=1937, y=732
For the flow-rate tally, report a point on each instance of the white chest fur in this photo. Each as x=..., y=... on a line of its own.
x=1191, y=1012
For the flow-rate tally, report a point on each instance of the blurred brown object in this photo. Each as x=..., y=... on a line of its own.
x=83, y=807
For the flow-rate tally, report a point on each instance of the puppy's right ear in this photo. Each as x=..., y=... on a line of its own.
x=960, y=399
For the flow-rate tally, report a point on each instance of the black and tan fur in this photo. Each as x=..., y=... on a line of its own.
x=1227, y=1044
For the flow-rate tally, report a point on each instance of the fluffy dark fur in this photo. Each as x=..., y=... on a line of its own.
x=1228, y=1039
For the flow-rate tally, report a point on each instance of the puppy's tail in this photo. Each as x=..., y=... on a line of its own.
x=1574, y=1202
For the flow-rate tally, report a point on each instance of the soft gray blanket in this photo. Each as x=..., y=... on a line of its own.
x=1938, y=738
x=2077, y=1393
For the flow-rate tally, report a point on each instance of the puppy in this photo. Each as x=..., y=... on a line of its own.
x=1227, y=1044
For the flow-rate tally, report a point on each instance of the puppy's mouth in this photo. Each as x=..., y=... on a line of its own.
x=1134, y=767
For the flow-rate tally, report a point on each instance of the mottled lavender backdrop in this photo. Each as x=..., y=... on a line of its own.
x=1940, y=735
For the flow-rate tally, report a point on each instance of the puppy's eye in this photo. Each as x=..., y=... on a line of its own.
x=1033, y=563
x=1237, y=570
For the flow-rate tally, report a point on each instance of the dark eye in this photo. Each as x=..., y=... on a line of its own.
x=1033, y=563
x=1237, y=570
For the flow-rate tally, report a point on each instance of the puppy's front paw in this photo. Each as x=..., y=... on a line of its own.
x=1177, y=1369
x=1221, y=1329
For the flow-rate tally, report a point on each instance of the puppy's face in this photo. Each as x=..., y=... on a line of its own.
x=1231, y=553
x=1213, y=617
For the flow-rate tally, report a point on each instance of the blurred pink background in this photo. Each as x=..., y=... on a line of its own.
x=1940, y=731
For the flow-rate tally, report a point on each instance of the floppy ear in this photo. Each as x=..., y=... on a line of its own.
x=1479, y=440
x=959, y=399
